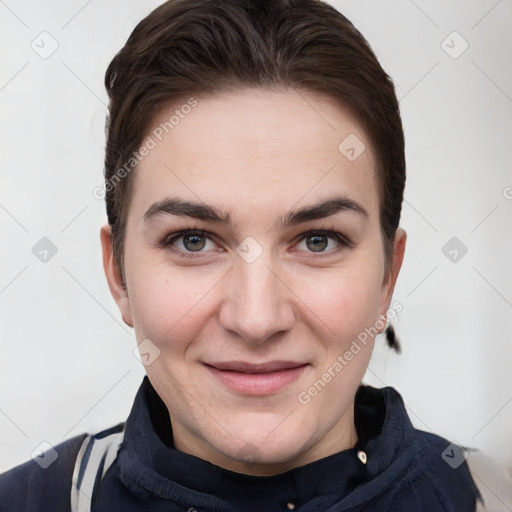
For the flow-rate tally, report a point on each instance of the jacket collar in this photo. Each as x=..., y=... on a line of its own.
x=149, y=464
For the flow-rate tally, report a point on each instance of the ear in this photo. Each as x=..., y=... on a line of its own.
x=388, y=285
x=113, y=274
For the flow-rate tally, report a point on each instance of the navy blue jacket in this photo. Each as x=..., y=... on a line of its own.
x=407, y=470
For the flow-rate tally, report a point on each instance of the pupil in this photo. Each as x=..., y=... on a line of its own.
x=319, y=243
x=196, y=242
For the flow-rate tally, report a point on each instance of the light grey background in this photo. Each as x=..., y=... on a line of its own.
x=67, y=364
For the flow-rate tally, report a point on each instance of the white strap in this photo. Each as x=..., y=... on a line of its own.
x=92, y=453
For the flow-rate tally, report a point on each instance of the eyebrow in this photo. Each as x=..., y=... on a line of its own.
x=205, y=212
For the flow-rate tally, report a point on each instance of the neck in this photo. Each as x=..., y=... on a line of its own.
x=342, y=436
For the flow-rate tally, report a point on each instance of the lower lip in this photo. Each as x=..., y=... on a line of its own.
x=257, y=383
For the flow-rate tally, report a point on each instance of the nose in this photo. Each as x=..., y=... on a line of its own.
x=259, y=302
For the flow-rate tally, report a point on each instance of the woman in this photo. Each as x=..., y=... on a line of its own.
x=254, y=176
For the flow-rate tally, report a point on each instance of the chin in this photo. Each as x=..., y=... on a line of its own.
x=264, y=448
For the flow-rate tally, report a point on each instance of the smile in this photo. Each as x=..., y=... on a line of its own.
x=256, y=379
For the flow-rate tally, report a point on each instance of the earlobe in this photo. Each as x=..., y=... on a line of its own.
x=113, y=275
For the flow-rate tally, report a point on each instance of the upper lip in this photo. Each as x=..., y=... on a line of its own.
x=245, y=367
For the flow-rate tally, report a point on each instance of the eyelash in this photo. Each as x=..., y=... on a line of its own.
x=171, y=238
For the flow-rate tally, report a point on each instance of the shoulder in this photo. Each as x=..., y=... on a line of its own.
x=31, y=485
x=457, y=469
x=45, y=483
x=444, y=465
x=437, y=475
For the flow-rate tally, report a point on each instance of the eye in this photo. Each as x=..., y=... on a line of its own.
x=189, y=241
x=196, y=242
x=318, y=241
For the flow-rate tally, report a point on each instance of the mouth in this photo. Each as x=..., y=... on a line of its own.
x=256, y=378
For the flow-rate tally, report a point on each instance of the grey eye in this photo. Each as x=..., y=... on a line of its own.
x=317, y=243
x=194, y=242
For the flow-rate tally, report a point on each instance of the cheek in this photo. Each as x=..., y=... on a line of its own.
x=345, y=301
x=168, y=307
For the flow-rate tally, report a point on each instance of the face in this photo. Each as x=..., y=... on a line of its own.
x=250, y=317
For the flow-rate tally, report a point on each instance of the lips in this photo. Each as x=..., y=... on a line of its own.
x=244, y=367
x=256, y=378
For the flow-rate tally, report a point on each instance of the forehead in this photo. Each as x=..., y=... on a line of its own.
x=268, y=149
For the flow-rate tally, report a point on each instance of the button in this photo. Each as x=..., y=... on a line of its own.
x=290, y=506
x=362, y=456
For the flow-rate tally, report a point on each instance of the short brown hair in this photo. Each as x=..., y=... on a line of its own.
x=187, y=47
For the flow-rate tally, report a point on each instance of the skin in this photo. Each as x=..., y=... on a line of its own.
x=257, y=155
